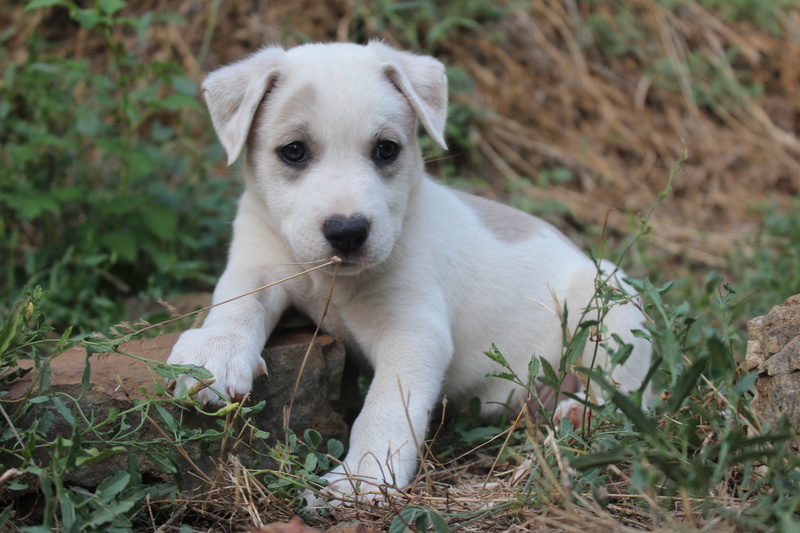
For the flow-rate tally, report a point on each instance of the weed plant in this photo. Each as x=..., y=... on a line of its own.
x=106, y=189
x=38, y=457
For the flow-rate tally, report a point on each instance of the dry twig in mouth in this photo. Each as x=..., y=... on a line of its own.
x=333, y=261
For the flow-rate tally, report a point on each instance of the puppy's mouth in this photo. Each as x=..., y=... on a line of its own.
x=351, y=260
x=348, y=264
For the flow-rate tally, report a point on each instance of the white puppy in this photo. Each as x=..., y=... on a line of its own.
x=429, y=277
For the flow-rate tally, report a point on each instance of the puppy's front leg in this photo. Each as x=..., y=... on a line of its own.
x=230, y=342
x=410, y=366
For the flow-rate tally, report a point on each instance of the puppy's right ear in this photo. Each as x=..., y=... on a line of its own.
x=233, y=94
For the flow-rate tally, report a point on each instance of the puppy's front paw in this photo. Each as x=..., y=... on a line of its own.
x=233, y=359
x=348, y=493
x=351, y=490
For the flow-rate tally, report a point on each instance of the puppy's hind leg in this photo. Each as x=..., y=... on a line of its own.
x=617, y=319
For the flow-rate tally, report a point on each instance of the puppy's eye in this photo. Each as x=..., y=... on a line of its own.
x=294, y=152
x=385, y=151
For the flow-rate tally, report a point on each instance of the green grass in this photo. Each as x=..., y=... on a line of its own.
x=106, y=183
x=109, y=190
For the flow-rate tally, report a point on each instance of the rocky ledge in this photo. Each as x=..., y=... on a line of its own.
x=118, y=381
x=774, y=349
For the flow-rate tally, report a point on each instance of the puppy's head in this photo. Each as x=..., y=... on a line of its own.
x=329, y=133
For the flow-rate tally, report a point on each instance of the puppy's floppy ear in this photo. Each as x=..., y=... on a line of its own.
x=233, y=94
x=423, y=82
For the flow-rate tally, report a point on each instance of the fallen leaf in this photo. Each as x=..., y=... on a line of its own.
x=295, y=526
x=298, y=526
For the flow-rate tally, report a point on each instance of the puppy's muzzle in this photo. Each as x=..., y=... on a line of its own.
x=346, y=234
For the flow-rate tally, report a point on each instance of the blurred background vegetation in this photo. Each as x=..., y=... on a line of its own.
x=113, y=190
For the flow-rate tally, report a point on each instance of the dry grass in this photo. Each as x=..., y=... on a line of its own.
x=553, y=101
x=476, y=493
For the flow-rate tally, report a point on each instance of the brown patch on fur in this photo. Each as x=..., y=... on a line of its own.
x=297, y=105
x=506, y=223
x=302, y=99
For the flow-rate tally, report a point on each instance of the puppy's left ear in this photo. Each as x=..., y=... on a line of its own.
x=423, y=82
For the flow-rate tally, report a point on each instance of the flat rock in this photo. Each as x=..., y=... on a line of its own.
x=118, y=381
x=774, y=350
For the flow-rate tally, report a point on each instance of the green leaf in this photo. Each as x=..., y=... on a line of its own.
x=121, y=243
x=44, y=376
x=68, y=515
x=745, y=384
x=178, y=102
x=501, y=375
x=110, y=7
x=495, y=355
x=111, y=513
x=167, y=418
x=404, y=520
x=30, y=206
x=638, y=417
x=260, y=434
x=10, y=329
x=313, y=438
x=20, y=153
x=95, y=454
x=420, y=519
x=96, y=348
x=110, y=487
x=789, y=524
x=310, y=463
x=184, y=84
x=254, y=409
x=623, y=352
x=44, y=421
x=222, y=411
x=5, y=515
x=549, y=372
x=162, y=462
x=599, y=459
x=38, y=4
x=87, y=375
x=576, y=346
x=62, y=409
x=721, y=361
x=161, y=221
x=335, y=448
x=87, y=18
x=173, y=371
x=74, y=448
x=438, y=522
x=685, y=383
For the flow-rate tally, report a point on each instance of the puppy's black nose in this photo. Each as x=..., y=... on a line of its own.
x=346, y=234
